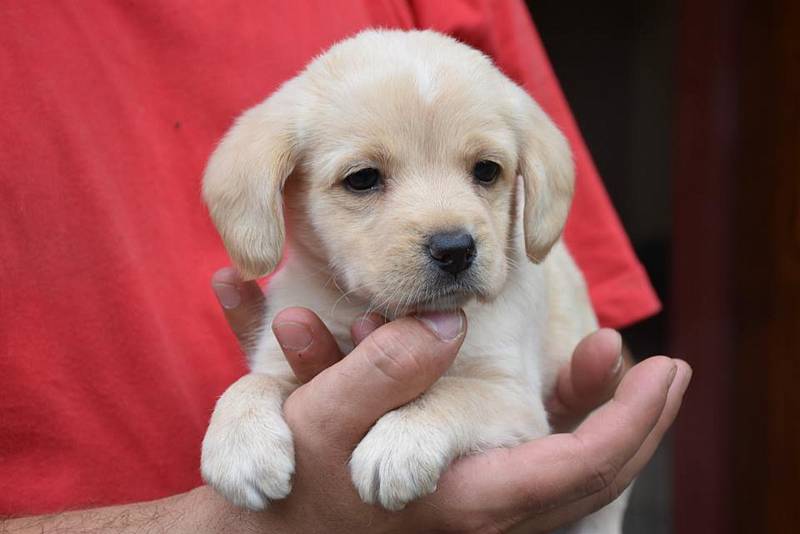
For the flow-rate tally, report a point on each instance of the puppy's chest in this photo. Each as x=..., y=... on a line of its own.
x=502, y=339
x=492, y=348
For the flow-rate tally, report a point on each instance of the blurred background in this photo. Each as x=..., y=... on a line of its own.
x=692, y=112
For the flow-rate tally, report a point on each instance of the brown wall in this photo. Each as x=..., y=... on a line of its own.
x=701, y=316
x=766, y=226
x=736, y=274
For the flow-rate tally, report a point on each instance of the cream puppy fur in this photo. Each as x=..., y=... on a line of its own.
x=396, y=156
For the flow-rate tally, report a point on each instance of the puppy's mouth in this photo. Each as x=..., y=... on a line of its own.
x=449, y=298
x=445, y=299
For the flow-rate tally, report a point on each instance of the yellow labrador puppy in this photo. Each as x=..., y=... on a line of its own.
x=396, y=156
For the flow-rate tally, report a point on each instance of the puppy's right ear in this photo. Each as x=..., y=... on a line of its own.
x=243, y=182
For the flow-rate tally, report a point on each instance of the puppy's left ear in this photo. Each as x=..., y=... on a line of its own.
x=244, y=179
x=545, y=164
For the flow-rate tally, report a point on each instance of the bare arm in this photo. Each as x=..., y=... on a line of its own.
x=199, y=511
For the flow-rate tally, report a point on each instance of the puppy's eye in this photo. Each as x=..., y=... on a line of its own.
x=486, y=171
x=363, y=180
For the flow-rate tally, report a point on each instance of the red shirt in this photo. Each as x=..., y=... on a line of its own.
x=112, y=347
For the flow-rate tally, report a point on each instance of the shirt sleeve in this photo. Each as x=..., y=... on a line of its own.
x=619, y=288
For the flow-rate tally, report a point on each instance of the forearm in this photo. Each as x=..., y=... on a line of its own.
x=200, y=511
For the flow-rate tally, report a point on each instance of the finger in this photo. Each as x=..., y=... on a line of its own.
x=391, y=367
x=365, y=325
x=594, y=502
x=562, y=468
x=589, y=380
x=307, y=344
x=242, y=303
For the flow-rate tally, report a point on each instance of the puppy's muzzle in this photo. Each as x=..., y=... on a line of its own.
x=452, y=252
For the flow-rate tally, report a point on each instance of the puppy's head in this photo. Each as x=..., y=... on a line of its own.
x=397, y=156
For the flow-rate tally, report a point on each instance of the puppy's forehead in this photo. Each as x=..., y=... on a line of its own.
x=407, y=91
x=411, y=100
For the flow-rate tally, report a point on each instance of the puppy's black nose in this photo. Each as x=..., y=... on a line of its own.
x=453, y=252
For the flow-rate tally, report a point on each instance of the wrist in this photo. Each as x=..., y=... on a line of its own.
x=207, y=512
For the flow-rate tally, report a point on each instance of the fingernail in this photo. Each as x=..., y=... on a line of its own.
x=672, y=373
x=446, y=325
x=617, y=366
x=686, y=379
x=295, y=337
x=227, y=294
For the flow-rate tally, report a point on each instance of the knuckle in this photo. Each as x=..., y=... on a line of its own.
x=611, y=492
x=602, y=477
x=602, y=473
x=393, y=356
x=487, y=528
x=469, y=523
x=535, y=504
x=614, y=489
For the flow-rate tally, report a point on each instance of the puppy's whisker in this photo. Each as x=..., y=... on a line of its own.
x=311, y=277
x=399, y=302
x=397, y=290
x=344, y=296
x=375, y=302
x=408, y=297
x=328, y=282
x=418, y=292
x=333, y=278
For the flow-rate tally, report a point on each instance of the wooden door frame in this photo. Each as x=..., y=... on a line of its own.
x=736, y=267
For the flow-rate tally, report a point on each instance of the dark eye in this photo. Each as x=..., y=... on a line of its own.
x=363, y=180
x=486, y=171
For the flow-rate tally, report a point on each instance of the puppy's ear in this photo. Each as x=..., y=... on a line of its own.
x=546, y=167
x=243, y=182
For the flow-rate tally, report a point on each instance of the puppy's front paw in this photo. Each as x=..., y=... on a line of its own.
x=249, y=457
x=398, y=461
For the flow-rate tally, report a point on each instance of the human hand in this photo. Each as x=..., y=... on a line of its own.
x=595, y=370
x=545, y=483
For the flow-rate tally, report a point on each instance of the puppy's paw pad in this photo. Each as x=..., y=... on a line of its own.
x=251, y=464
x=397, y=463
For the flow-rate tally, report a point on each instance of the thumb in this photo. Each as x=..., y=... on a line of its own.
x=392, y=366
